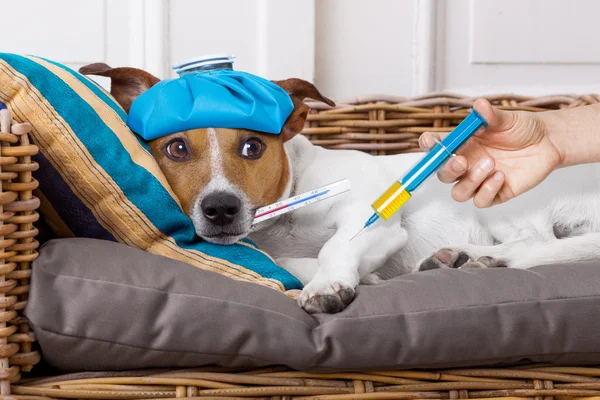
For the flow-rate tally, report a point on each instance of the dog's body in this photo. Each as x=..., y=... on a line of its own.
x=222, y=176
x=558, y=221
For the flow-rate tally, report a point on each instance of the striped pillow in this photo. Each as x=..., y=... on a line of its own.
x=99, y=180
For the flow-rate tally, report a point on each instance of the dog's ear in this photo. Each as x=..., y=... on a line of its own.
x=299, y=90
x=126, y=84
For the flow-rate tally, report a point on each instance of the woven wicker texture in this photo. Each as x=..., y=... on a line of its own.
x=17, y=248
x=392, y=125
x=376, y=124
x=280, y=384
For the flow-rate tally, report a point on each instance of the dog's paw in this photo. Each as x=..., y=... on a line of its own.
x=326, y=297
x=448, y=258
x=371, y=279
x=485, y=262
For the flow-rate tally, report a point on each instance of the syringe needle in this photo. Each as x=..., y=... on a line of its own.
x=359, y=232
x=369, y=222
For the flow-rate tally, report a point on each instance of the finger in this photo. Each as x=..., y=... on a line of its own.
x=468, y=184
x=488, y=191
x=496, y=119
x=427, y=140
x=453, y=169
x=505, y=194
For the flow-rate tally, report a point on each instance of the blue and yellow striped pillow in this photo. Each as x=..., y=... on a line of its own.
x=99, y=180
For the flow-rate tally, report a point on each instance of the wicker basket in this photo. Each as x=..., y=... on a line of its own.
x=392, y=125
x=376, y=124
x=17, y=248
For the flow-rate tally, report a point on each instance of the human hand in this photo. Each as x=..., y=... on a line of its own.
x=511, y=155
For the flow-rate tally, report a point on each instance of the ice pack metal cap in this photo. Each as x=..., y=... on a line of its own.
x=205, y=63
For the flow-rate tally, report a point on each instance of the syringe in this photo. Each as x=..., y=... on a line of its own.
x=393, y=198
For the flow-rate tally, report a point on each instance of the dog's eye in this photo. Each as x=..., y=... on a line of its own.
x=177, y=150
x=252, y=148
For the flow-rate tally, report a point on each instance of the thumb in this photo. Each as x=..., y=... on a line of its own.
x=496, y=119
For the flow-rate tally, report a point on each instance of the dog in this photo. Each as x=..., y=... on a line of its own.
x=222, y=176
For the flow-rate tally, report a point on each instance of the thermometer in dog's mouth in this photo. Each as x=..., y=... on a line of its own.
x=301, y=200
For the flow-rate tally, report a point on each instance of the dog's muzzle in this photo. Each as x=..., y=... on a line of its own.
x=220, y=208
x=221, y=218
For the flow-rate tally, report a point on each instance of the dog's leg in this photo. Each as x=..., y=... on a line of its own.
x=302, y=268
x=518, y=254
x=343, y=263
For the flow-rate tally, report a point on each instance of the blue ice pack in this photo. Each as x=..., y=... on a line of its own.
x=209, y=94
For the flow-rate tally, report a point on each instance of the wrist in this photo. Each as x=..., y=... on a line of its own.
x=555, y=129
x=575, y=133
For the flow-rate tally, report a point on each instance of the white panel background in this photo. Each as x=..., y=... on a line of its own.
x=364, y=46
x=348, y=47
x=531, y=47
x=44, y=32
x=558, y=32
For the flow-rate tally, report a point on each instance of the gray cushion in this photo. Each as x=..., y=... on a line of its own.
x=97, y=305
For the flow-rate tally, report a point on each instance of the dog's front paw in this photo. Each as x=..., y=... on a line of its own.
x=448, y=258
x=326, y=297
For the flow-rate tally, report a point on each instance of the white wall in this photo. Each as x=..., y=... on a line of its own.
x=272, y=38
x=347, y=47
x=364, y=47
x=527, y=46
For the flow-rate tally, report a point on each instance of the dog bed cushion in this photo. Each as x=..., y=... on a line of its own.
x=98, y=305
x=99, y=180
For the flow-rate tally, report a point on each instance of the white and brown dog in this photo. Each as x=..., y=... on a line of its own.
x=222, y=176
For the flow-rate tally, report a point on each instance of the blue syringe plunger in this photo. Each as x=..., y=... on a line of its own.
x=442, y=151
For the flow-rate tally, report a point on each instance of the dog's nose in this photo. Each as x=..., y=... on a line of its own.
x=220, y=208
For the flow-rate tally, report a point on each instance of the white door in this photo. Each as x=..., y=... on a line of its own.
x=532, y=47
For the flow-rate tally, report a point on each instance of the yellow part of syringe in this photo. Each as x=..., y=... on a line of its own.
x=390, y=201
x=387, y=204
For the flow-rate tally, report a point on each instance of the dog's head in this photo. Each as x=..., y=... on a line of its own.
x=221, y=176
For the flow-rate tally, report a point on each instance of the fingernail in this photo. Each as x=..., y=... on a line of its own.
x=486, y=164
x=426, y=142
x=499, y=175
x=457, y=166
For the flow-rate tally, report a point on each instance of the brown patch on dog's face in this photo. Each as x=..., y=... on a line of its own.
x=264, y=178
x=186, y=177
